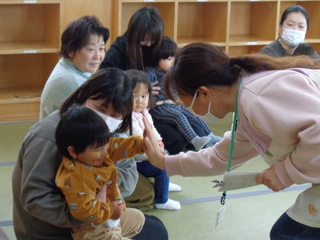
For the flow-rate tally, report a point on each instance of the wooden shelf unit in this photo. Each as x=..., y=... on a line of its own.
x=31, y=29
x=238, y=26
x=29, y=46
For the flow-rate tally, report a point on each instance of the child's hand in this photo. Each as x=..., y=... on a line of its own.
x=155, y=90
x=118, y=208
x=155, y=156
x=143, y=146
x=161, y=146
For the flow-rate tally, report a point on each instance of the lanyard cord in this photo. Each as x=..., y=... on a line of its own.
x=234, y=129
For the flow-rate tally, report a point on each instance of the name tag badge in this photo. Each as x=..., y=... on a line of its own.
x=220, y=214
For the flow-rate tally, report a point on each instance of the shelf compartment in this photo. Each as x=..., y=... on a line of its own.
x=20, y=94
x=26, y=70
x=19, y=104
x=316, y=46
x=28, y=1
x=252, y=23
x=237, y=51
x=27, y=47
x=125, y=10
x=202, y=21
x=22, y=78
x=311, y=41
x=146, y=1
x=23, y=26
x=256, y=1
x=29, y=50
x=245, y=40
x=183, y=41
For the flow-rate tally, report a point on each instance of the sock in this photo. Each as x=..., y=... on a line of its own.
x=211, y=135
x=214, y=139
x=174, y=187
x=112, y=223
x=200, y=142
x=169, y=205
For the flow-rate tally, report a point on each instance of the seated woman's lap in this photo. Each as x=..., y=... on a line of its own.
x=153, y=229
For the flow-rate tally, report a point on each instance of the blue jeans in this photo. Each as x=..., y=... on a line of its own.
x=161, y=180
x=287, y=229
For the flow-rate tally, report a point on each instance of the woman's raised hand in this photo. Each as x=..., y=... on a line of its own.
x=153, y=151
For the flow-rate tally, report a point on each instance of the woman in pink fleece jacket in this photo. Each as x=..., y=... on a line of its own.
x=279, y=118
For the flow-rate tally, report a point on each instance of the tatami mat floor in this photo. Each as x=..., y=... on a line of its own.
x=249, y=215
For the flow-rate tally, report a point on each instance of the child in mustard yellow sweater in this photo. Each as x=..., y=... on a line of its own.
x=88, y=177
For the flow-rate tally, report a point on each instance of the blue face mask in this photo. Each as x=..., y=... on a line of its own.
x=208, y=117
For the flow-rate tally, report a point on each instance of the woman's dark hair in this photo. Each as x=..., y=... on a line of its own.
x=77, y=34
x=137, y=77
x=204, y=64
x=80, y=127
x=167, y=49
x=297, y=9
x=111, y=85
x=144, y=23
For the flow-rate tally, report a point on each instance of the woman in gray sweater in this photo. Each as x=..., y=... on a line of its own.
x=40, y=210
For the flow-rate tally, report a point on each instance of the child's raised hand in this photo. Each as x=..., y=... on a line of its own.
x=118, y=208
x=161, y=146
x=152, y=147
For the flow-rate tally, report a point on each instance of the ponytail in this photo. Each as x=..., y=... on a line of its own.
x=253, y=63
x=203, y=64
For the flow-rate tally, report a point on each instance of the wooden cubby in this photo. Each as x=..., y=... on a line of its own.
x=31, y=29
x=29, y=45
x=29, y=48
x=197, y=22
x=125, y=9
x=238, y=26
x=252, y=23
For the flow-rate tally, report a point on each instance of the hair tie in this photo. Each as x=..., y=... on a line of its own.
x=232, y=61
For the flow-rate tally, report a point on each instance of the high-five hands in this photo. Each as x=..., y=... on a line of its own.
x=153, y=150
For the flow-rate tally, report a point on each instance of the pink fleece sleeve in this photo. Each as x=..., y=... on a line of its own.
x=211, y=161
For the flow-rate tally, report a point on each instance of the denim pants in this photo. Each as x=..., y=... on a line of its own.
x=288, y=229
x=161, y=180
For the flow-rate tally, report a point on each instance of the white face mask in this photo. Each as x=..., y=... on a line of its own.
x=292, y=37
x=208, y=117
x=111, y=122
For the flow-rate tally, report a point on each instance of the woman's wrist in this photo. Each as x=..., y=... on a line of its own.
x=161, y=163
